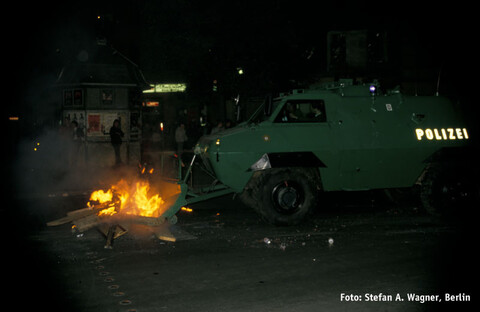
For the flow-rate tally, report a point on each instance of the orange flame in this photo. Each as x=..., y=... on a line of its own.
x=101, y=196
x=144, y=205
x=107, y=211
x=135, y=199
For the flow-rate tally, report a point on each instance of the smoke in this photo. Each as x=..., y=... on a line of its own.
x=51, y=180
x=53, y=164
x=42, y=165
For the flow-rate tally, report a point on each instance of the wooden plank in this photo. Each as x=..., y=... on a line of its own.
x=86, y=211
x=171, y=233
x=180, y=234
x=60, y=221
x=110, y=234
x=78, y=214
x=74, y=215
x=150, y=221
x=163, y=232
x=119, y=231
x=86, y=223
x=71, y=216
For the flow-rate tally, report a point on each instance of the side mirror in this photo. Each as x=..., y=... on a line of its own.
x=268, y=105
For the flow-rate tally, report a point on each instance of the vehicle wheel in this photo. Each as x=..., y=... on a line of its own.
x=286, y=196
x=249, y=195
x=444, y=192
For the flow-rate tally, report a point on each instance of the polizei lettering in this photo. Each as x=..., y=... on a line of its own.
x=441, y=134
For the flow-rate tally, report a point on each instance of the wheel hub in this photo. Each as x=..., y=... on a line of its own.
x=287, y=197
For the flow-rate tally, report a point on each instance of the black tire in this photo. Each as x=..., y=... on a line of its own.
x=448, y=191
x=248, y=196
x=285, y=196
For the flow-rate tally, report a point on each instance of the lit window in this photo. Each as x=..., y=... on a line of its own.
x=77, y=98
x=107, y=96
x=67, y=98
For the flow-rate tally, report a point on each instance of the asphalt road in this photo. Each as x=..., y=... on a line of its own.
x=354, y=247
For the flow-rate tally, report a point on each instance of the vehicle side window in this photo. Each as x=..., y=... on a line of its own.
x=302, y=111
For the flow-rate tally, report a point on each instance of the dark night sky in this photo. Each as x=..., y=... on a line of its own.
x=253, y=28
x=201, y=40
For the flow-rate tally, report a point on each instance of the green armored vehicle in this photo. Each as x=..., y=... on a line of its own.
x=339, y=137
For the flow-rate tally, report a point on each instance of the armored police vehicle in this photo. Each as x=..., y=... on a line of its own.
x=340, y=137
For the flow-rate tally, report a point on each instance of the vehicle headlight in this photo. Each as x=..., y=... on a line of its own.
x=261, y=164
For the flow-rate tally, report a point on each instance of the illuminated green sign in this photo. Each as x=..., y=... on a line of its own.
x=166, y=88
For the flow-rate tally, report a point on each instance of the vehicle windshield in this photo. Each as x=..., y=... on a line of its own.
x=259, y=114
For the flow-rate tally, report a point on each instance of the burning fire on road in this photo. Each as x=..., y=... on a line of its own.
x=129, y=201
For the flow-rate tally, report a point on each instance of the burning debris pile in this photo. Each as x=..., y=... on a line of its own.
x=126, y=199
x=114, y=210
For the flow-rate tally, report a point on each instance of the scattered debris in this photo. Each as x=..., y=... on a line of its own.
x=105, y=217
